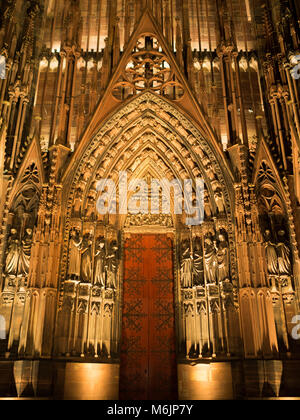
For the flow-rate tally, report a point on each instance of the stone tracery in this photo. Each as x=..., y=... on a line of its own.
x=148, y=69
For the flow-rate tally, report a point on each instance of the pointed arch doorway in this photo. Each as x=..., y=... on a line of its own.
x=147, y=138
x=148, y=369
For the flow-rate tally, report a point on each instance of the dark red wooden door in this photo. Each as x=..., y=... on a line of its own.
x=148, y=360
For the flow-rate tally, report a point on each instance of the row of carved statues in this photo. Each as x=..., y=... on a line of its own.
x=99, y=266
x=205, y=260
x=197, y=266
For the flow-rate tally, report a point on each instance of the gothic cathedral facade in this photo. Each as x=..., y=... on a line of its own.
x=144, y=305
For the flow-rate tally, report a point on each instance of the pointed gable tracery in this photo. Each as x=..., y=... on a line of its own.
x=30, y=172
x=147, y=64
x=268, y=197
x=269, y=184
x=148, y=68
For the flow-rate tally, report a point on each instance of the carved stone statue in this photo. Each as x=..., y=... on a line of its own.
x=220, y=201
x=271, y=254
x=26, y=251
x=75, y=254
x=99, y=276
x=210, y=261
x=207, y=205
x=198, y=269
x=13, y=254
x=186, y=270
x=18, y=255
x=284, y=256
x=73, y=24
x=112, y=266
x=86, y=260
x=77, y=201
x=223, y=259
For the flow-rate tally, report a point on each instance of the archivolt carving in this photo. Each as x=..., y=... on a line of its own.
x=165, y=130
x=172, y=143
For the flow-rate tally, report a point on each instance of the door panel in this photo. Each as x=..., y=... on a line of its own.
x=148, y=359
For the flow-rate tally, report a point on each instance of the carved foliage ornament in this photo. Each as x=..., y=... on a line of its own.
x=149, y=220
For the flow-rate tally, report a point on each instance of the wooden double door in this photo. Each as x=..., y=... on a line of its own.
x=148, y=358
